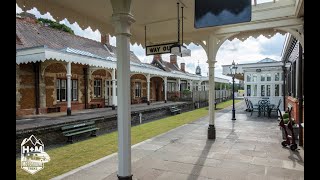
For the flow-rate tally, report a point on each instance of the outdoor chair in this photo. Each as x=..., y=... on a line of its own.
x=274, y=109
x=252, y=107
x=263, y=106
x=247, y=104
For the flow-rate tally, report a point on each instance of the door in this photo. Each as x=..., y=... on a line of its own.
x=109, y=94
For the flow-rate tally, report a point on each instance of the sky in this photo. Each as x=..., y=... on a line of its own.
x=251, y=50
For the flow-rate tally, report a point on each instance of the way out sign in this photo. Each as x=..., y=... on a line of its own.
x=159, y=49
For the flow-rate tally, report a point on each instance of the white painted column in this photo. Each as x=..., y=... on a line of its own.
x=272, y=90
x=179, y=83
x=69, y=88
x=165, y=89
x=220, y=93
x=199, y=86
x=258, y=89
x=225, y=90
x=245, y=90
x=122, y=20
x=148, y=89
x=114, y=83
x=211, y=53
x=190, y=85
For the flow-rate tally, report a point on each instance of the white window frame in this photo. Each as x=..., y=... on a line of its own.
x=59, y=83
x=98, y=86
x=74, y=90
x=137, y=89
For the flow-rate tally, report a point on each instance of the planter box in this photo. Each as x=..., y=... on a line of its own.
x=295, y=130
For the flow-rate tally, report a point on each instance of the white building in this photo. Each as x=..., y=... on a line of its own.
x=263, y=79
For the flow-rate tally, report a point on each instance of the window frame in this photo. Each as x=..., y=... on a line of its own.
x=99, y=87
x=137, y=89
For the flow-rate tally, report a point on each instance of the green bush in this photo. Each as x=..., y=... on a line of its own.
x=285, y=116
x=55, y=25
x=287, y=120
x=186, y=91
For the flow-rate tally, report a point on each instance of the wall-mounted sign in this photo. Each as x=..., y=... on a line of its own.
x=258, y=70
x=159, y=49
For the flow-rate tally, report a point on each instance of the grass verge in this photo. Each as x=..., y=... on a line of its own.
x=71, y=156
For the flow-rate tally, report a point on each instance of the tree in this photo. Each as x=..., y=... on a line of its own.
x=55, y=25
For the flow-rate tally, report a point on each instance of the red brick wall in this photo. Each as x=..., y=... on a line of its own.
x=295, y=108
x=51, y=73
x=27, y=90
x=103, y=75
x=142, y=79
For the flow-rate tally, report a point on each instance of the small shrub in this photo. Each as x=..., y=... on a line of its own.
x=285, y=115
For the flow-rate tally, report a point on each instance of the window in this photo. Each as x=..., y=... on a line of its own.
x=263, y=90
x=254, y=78
x=138, y=89
x=97, y=87
x=255, y=90
x=263, y=77
x=268, y=77
x=74, y=90
x=61, y=90
x=277, y=76
x=248, y=90
x=171, y=86
x=276, y=89
x=248, y=77
x=61, y=86
x=268, y=90
x=183, y=86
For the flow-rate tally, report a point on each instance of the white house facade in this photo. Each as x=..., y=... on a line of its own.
x=263, y=79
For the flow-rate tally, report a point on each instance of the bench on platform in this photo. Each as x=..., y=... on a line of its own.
x=80, y=128
x=175, y=110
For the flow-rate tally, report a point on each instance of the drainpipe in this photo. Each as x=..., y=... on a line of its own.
x=284, y=76
x=299, y=94
x=85, y=79
x=36, y=66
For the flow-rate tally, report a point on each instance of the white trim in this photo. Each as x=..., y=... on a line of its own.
x=42, y=53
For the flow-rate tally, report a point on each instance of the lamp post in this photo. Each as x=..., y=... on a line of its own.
x=233, y=70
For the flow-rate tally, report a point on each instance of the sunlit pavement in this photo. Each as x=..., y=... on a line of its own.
x=247, y=148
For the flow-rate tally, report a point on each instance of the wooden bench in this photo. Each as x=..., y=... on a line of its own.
x=80, y=128
x=175, y=110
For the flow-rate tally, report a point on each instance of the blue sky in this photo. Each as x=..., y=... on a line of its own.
x=251, y=50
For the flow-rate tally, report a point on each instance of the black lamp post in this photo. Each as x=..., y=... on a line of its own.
x=233, y=70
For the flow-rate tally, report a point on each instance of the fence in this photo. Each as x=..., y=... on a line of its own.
x=199, y=96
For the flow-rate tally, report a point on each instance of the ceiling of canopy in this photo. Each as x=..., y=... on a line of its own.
x=160, y=18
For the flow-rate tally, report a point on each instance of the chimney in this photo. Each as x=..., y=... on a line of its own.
x=105, y=39
x=173, y=59
x=183, y=65
x=157, y=57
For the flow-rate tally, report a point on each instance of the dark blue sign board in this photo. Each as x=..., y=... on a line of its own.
x=210, y=13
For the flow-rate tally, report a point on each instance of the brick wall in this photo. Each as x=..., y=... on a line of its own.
x=138, y=78
x=25, y=101
x=103, y=75
x=27, y=91
x=295, y=107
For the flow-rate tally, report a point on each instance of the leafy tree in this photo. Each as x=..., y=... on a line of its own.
x=55, y=25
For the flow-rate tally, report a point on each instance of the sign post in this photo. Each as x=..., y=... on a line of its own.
x=159, y=48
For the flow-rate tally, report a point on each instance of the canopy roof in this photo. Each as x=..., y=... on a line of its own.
x=160, y=18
